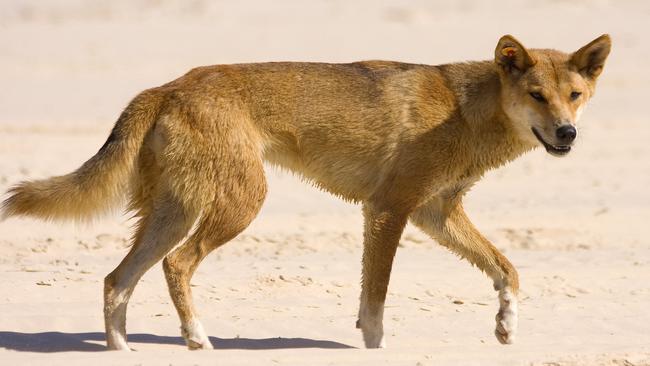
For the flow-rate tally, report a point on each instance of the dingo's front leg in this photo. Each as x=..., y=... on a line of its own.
x=445, y=221
x=382, y=231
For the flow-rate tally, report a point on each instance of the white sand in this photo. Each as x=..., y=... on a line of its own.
x=286, y=290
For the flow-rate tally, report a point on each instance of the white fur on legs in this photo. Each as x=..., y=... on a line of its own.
x=115, y=319
x=506, y=318
x=195, y=336
x=372, y=329
x=116, y=341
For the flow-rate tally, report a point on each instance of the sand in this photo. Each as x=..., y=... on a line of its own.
x=285, y=291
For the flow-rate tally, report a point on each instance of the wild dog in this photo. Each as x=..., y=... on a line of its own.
x=405, y=141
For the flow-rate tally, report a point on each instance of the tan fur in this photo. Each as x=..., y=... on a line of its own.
x=406, y=141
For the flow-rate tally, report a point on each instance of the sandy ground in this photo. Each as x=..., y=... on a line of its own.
x=286, y=290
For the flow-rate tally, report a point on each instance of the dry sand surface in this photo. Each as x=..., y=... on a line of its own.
x=286, y=290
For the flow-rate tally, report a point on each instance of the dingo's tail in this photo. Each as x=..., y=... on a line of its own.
x=100, y=182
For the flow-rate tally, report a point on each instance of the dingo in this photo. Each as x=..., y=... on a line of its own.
x=406, y=141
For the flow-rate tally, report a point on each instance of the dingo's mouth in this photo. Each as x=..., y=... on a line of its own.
x=555, y=150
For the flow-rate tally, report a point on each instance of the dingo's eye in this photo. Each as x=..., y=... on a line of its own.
x=538, y=97
x=575, y=95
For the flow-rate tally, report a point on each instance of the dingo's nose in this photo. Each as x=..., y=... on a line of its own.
x=566, y=134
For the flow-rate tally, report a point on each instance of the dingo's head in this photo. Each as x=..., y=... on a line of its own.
x=543, y=92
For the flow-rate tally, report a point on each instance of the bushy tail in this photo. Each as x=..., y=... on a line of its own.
x=100, y=182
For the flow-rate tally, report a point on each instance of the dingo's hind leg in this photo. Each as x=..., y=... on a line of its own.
x=157, y=233
x=239, y=191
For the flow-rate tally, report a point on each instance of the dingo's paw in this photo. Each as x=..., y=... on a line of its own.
x=506, y=327
x=195, y=344
x=506, y=318
x=195, y=336
x=118, y=344
x=373, y=334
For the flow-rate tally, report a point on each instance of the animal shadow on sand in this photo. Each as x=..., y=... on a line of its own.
x=85, y=342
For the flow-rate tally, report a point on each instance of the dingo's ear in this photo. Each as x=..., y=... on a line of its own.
x=590, y=59
x=512, y=56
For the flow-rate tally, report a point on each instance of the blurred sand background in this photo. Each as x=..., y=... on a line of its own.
x=286, y=290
